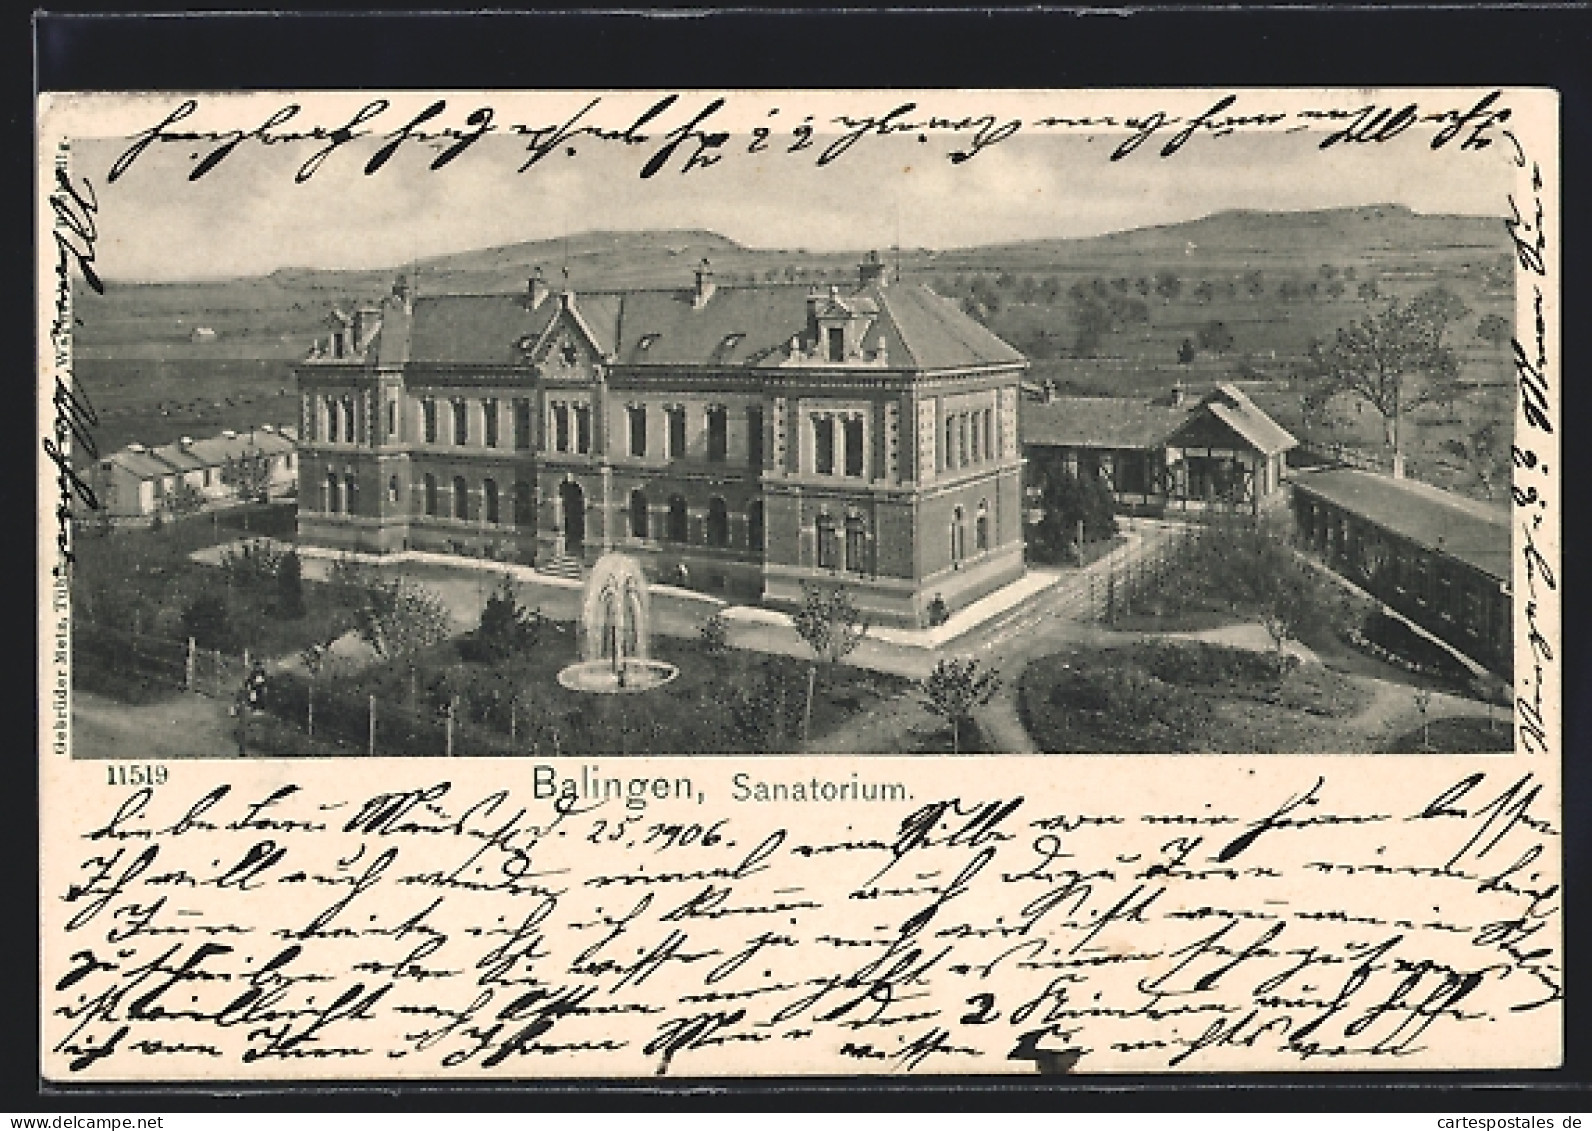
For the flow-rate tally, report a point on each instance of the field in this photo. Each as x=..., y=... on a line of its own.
x=165, y=360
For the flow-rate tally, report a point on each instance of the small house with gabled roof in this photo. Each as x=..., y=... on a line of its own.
x=1220, y=452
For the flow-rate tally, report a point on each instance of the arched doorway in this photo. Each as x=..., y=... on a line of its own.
x=573, y=500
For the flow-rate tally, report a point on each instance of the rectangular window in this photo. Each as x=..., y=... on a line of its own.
x=837, y=344
x=489, y=410
x=561, y=428
x=989, y=433
x=429, y=409
x=854, y=445
x=856, y=546
x=461, y=422
x=961, y=439
x=522, y=424
x=638, y=429
x=348, y=420
x=392, y=420
x=824, y=445
x=718, y=433
x=828, y=544
x=950, y=442
x=754, y=437
x=677, y=433
x=974, y=438
x=582, y=428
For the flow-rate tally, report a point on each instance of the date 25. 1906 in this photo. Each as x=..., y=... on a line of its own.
x=122, y=773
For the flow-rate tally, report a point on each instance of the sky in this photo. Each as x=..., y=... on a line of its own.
x=248, y=215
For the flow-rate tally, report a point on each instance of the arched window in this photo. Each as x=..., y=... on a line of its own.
x=524, y=505
x=431, y=494
x=350, y=494
x=489, y=499
x=332, y=505
x=678, y=530
x=958, y=534
x=981, y=526
x=718, y=522
x=754, y=526
x=638, y=514
x=461, y=497
x=392, y=489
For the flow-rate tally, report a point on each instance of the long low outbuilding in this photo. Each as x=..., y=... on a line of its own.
x=1440, y=559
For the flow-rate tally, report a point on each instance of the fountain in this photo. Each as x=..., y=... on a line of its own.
x=613, y=633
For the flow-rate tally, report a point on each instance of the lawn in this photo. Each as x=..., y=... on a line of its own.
x=724, y=701
x=1184, y=696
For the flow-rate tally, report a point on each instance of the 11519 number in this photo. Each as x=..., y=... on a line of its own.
x=123, y=774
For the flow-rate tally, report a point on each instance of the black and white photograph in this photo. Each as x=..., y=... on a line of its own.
x=740, y=583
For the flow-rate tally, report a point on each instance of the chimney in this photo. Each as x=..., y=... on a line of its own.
x=538, y=292
x=871, y=270
x=1049, y=391
x=185, y=443
x=704, y=285
x=135, y=446
x=229, y=434
x=1177, y=394
x=815, y=299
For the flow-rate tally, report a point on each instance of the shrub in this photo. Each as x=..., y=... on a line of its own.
x=506, y=629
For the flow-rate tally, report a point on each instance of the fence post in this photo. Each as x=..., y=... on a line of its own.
x=245, y=659
x=451, y=703
x=187, y=667
x=309, y=708
x=372, y=741
x=514, y=722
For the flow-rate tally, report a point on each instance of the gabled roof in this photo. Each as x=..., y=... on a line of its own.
x=1470, y=531
x=1128, y=422
x=1100, y=422
x=178, y=459
x=217, y=450
x=746, y=326
x=1229, y=405
x=144, y=465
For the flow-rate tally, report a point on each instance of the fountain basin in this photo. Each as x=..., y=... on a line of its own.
x=601, y=678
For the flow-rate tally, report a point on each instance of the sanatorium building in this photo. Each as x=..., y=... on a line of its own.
x=740, y=440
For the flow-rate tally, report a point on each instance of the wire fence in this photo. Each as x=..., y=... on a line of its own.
x=302, y=714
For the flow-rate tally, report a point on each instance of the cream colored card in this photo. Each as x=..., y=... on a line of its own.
x=674, y=370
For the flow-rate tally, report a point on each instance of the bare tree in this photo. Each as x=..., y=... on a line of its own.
x=1395, y=361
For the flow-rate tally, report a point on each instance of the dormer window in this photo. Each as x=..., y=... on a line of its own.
x=727, y=346
x=569, y=353
x=836, y=337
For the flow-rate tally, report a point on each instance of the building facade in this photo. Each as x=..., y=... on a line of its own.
x=737, y=440
x=1440, y=559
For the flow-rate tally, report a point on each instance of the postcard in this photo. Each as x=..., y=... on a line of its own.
x=726, y=583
